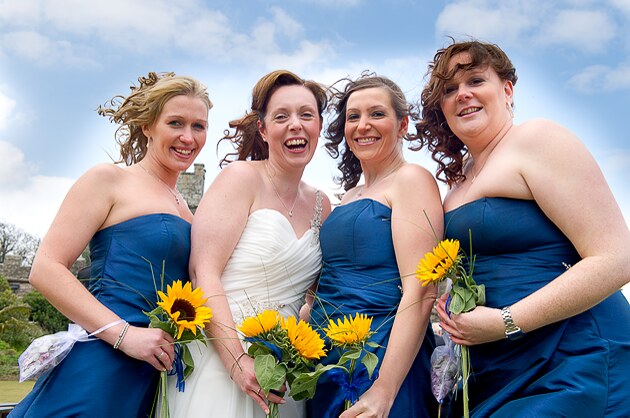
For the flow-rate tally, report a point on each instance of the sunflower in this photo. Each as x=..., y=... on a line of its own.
x=185, y=307
x=263, y=322
x=438, y=263
x=306, y=341
x=350, y=330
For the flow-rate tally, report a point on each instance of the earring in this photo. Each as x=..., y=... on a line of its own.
x=508, y=105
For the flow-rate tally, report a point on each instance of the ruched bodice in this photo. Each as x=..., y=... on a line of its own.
x=94, y=379
x=360, y=274
x=270, y=266
x=578, y=367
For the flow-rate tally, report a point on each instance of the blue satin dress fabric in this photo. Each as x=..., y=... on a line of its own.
x=579, y=367
x=360, y=274
x=94, y=379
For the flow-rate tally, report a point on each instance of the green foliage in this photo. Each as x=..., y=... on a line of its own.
x=46, y=315
x=4, y=284
x=8, y=360
x=8, y=298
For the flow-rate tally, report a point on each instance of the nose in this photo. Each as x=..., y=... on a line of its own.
x=187, y=135
x=294, y=123
x=463, y=93
x=363, y=124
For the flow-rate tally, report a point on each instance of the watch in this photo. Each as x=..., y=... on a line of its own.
x=512, y=331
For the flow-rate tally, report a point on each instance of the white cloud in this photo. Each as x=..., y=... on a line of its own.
x=597, y=78
x=6, y=107
x=145, y=26
x=42, y=50
x=493, y=21
x=623, y=5
x=589, y=30
x=33, y=208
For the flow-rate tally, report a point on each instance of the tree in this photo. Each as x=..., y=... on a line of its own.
x=16, y=241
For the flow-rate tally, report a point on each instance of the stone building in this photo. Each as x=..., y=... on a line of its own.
x=191, y=187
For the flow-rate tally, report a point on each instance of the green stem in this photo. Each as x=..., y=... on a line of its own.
x=347, y=403
x=274, y=410
x=165, y=413
x=465, y=374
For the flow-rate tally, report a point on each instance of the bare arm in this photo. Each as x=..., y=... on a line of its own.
x=82, y=213
x=414, y=194
x=567, y=184
x=217, y=227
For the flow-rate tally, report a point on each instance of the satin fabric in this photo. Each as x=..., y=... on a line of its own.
x=94, y=379
x=270, y=268
x=360, y=274
x=579, y=367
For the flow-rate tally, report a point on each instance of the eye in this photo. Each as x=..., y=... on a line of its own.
x=378, y=114
x=476, y=81
x=280, y=117
x=200, y=126
x=352, y=117
x=449, y=89
x=174, y=123
x=307, y=115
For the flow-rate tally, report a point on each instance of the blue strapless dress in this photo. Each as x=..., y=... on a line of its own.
x=579, y=367
x=360, y=274
x=95, y=380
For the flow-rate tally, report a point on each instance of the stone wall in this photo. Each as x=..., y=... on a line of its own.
x=191, y=186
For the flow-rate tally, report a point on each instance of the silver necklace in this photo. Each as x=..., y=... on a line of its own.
x=363, y=187
x=297, y=193
x=175, y=192
x=472, y=163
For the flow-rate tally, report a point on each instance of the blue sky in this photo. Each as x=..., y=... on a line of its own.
x=60, y=59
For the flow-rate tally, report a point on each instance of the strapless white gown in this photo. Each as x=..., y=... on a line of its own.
x=269, y=268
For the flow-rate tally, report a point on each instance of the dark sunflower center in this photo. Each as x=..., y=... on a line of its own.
x=185, y=308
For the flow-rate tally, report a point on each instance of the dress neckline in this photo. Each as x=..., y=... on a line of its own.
x=486, y=198
x=146, y=215
x=365, y=199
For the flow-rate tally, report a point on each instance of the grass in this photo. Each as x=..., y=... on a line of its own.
x=13, y=391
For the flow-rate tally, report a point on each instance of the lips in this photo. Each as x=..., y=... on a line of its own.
x=183, y=151
x=469, y=110
x=296, y=144
x=366, y=140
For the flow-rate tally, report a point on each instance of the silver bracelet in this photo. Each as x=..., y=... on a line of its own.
x=121, y=336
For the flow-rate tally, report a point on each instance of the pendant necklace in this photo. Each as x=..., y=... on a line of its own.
x=175, y=192
x=297, y=193
x=472, y=163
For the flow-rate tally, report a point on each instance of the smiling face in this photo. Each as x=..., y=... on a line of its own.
x=291, y=126
x=179, y=133
x=372, y=129
x=475, y=102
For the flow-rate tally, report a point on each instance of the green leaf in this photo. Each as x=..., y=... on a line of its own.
x=269, y=373
x=370, y=360
x=352, y=354
x=304, y=385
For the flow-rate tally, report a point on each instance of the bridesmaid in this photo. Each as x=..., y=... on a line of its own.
x=371, y=245
x=137, y=222
x=550, y=242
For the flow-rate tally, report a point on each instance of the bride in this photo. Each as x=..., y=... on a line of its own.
x=255, y=244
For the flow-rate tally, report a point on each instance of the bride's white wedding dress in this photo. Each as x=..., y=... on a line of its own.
x=269, y=268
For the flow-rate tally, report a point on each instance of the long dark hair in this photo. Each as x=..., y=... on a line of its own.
x=350, y=166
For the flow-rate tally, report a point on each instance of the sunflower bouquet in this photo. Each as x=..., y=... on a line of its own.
x=446, y=262
x=284, y=350
x=181, y=313
x=351, y=335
